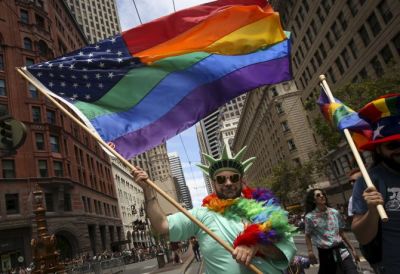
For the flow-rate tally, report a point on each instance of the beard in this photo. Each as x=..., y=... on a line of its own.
x=393, y=161
x=229, y=193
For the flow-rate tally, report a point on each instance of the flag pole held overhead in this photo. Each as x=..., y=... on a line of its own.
x=92, y=133
x=347, y=134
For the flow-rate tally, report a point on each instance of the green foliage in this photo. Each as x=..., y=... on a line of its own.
x=329, y=136
x=289, y=181
x=356, y=95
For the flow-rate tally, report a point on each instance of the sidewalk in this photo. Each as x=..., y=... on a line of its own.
x=171, y=268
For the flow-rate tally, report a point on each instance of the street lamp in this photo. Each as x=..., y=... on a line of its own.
x=45, y=253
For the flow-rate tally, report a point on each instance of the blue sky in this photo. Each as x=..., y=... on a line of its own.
x=149, y=10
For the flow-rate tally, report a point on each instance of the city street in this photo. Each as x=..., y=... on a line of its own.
x=190, y=266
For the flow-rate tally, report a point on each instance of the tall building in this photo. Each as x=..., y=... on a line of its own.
x=345, y=40
x=274, y=127
x=98, y=19
x=207, y=136
x=131, y=206
x=216, y=129
x=57, y=156
x=177, y=172
x=155, y=162
x=228, y=120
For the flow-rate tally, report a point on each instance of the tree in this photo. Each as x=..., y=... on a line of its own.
x=289, y=183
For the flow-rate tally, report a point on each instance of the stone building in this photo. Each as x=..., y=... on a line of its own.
x=274, y=127
x=98, y=19
x=58, y=156
x=347, y=41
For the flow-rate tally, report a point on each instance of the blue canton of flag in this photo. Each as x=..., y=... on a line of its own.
x=88, y=73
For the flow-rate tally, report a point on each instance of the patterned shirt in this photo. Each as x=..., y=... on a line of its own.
x=324, y=226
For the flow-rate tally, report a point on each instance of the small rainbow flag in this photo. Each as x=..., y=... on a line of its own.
x=141, y=87
x=342, y=117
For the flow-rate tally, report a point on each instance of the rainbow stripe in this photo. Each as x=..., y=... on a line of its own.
x=148, y=84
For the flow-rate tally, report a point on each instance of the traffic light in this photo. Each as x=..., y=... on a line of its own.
x=12, y=135
x=6, y=134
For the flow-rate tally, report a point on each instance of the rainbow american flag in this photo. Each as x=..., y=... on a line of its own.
x=342, y=117
x=144, y=86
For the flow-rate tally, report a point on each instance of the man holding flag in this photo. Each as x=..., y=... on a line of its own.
x=249, y=219
x=383, y=114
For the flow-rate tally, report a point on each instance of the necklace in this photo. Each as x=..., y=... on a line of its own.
x=269, y=222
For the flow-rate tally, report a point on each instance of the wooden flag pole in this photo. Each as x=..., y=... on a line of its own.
x=381, y=210
x=45, y=92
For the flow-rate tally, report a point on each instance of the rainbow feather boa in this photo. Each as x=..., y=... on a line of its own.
x=269, y=222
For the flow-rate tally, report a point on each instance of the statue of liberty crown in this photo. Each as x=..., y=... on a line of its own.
x=226, y=162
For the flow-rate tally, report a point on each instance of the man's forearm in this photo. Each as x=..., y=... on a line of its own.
x=154, y=212
x=365, y=226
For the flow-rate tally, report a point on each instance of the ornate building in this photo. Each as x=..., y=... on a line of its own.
x=68, y=165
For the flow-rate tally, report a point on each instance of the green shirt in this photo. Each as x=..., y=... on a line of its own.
x=217, y=259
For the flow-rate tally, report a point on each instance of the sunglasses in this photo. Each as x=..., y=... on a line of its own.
x=234, y=178
x=352, y=181
x=392, y=145
x=319, y=194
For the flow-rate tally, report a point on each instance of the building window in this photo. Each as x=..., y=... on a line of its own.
x=3, y=91
x=363, y=73
x=353, y=7
x=36, y=114
x=322, y=50
x=385, y=11
x=8, y=168
x=1, y=62
x=364, y=35
x=291, y=145
x=39, y=21
x=318, y=57
x=330, y=40
x=12, y=203
x=279, y=108
x=39, y=141
x=396, y=42
x=43, y=49
x=29, y=62
x=314, y=27
x=67, y=202
x=49, y=202
x=43, y=172
x=33, y=93
x=345, y=57
x=374, y=24
x=320, y=16
x=285, y=126
x=24, y=16
x=58, y=169
x=54, y=143
x=332, y=75
x=3, y=109
x=274, y=92
x=386, y=54
x=353, y=48
x=28, y=44
x=342, y=21
x=376, y=65
x=335, y=30
x=51, y=117
x=339, y=65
